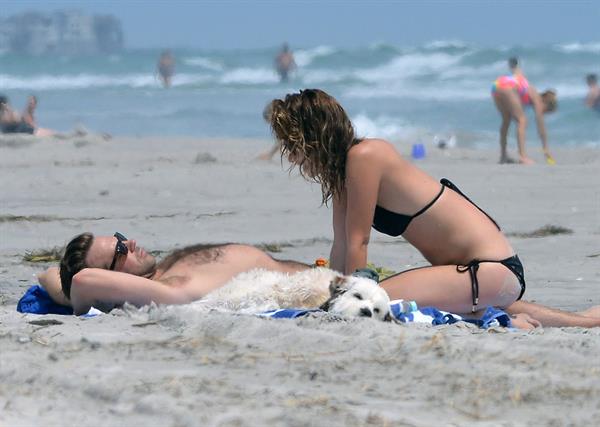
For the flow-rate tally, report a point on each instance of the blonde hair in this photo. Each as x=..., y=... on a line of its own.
x=313, y=127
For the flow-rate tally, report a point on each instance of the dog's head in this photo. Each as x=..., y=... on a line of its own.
x=359, y=297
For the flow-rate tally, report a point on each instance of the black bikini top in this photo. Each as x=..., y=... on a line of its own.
x=394, y=224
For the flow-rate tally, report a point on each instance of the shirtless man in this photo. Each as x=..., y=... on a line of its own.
x=592, y=100
x=166, y=67
x=284, y=63
x=106, y=271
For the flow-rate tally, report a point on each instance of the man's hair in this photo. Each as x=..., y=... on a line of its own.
x=591, y=78
x=3, y=99
x=513, y=62
x=73, y=261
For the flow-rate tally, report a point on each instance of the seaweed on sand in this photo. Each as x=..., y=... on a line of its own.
x=383, y=272
x=44, y=255
x=545, y=231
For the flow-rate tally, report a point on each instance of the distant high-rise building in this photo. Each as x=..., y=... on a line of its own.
x=63, y=32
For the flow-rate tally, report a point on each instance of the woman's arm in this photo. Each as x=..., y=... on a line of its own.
x=50, y=281
x=98, y=287
x=538, y=108
x=363, y=175
x=337, y=257
x=27, y=118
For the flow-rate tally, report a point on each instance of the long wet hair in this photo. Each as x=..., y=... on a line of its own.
x=315, y=132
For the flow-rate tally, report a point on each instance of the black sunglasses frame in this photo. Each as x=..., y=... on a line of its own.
x=120, y=249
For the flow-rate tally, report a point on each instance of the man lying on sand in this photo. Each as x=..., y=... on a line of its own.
x=107, y=271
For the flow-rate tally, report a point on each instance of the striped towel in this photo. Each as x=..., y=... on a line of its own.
x=429, y=315
x=36, y=300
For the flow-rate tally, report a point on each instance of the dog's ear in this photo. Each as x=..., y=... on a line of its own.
x=389, y=318
x=325, y=305
x=338, y=286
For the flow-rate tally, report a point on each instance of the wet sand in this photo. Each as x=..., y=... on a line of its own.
x=167, y=366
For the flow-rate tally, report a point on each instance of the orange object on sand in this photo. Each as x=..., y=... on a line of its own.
x=320, y=262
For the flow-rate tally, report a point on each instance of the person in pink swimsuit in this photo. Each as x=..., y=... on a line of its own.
x=511, y=93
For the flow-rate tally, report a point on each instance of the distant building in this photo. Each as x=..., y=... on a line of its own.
x=60, y=32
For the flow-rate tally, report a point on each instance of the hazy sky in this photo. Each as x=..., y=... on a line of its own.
x=262, y=23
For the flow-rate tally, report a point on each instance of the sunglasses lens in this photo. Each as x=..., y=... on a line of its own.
x=120, y=249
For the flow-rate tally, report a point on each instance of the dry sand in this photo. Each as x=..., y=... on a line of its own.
x=167, y=366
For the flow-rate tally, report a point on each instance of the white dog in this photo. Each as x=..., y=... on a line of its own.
x=261, y=290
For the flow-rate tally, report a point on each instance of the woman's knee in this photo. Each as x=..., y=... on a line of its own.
x=521, y=121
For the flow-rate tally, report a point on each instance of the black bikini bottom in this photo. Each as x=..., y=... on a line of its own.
x=513, y=263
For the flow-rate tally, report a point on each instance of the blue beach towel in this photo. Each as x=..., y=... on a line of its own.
x=37, y=301
x=429, y=315
x=491, y=317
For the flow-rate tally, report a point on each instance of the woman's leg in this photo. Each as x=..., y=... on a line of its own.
x=517, y=112
x=446, y=288
x=508, y=102
x=42, y=132
x=553, y=317
x=504, y=112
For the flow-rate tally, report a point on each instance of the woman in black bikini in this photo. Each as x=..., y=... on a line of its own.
x=472, y=263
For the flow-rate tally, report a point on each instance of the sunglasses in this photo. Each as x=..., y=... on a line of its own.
x=120, y=249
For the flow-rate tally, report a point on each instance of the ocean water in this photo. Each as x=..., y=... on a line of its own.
x=403, y=93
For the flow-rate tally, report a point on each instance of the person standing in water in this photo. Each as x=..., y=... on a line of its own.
x=511, y=93
x=166, y=67
x=284, y=63
x=592, y=100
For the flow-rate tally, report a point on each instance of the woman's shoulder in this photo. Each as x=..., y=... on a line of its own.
x=371, y=147
x=372, y=153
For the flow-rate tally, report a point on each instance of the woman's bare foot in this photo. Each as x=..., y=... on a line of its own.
x=526, y=161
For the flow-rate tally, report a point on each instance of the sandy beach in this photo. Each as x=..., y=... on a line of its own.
x=170, y=366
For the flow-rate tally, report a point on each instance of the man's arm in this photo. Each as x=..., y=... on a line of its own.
x=95, y=286
x=50, y=281
x=592, y=98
